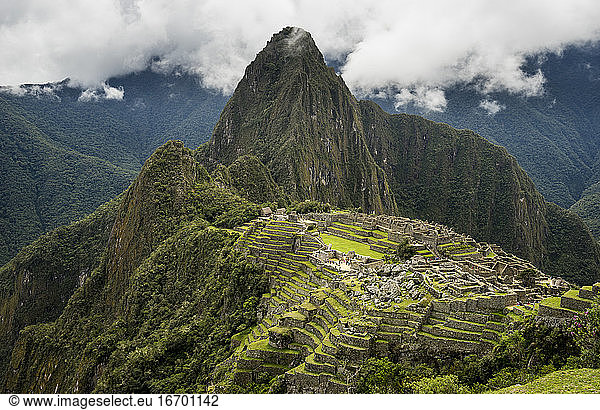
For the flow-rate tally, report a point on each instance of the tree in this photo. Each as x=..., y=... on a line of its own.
x=405, y=251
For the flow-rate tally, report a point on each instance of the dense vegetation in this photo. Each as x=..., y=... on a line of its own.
x=145, y=294
x=169, y=279
x=308, y=206
x=250, y=179
x=184, y=304
x=300, y=120
x=571, y=251
x=45, y=184
x=553, y=136
x=36, y=285
x=486, y=194
x=158, y=310
x=588, y=208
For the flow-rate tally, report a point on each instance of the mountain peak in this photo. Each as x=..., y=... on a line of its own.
x=292, y=48
x=292, y=40
x=298, y=117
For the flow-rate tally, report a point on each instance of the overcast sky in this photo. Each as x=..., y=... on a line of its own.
x=410, y=49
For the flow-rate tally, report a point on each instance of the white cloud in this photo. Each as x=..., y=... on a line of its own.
x=105, y=92
x=422, y=97
x=491, y=106
x=387, y=44
x=112, y=93
x=35, y=90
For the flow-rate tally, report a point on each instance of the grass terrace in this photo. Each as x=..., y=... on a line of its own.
x=265, y=346
x=553, y=302
x=560, y=382
x=345, y=245
x=426, y=253
x=358, y=228
x=574, y=294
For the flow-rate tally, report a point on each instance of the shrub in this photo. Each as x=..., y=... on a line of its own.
x=446, y=384
x=386, y=377
x=310, y=206
x=585, y=329
x=405, y=251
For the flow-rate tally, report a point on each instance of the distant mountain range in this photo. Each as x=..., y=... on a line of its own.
x=555, y=136
x=61, y=158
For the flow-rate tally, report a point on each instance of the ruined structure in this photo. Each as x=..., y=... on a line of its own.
x=329, y=310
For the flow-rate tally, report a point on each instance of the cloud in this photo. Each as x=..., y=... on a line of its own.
x=35, y=90
x=112, y=93
x=105, y=92
x=388, y=44
x=422, y=97
x=491, y=106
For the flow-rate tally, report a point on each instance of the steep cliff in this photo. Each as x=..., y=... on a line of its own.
x=37, y=283
x=251, y=179
x=457, y=178
x=298, y=117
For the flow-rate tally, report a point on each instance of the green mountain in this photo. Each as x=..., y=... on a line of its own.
x=46, y=184
x=38, y=282
x=148, y=272
x=62, y=157
x=588, y=208
x=250, y=179
x=554, y=136
x=296, y=115
x=485, y=192
x=299, y=118
x=151, y=294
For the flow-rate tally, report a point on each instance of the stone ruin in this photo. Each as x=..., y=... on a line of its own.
x=328, y=311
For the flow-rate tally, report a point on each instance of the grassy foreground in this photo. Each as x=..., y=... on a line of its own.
x=564, y=381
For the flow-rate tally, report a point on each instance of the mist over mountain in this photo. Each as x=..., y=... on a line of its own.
x=554, y=135
x=66, y=151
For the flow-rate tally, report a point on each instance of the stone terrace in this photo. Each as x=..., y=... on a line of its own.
x=328, y=311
